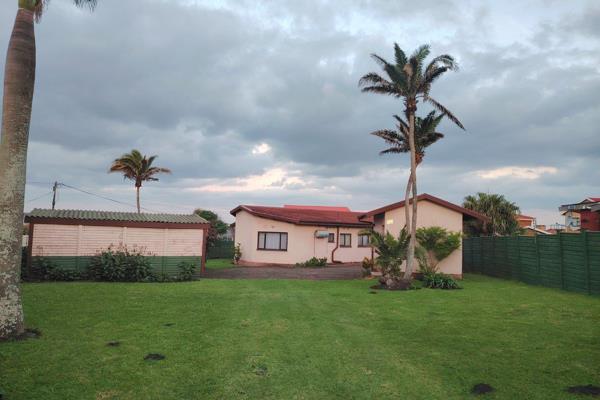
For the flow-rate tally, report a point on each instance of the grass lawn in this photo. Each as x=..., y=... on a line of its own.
x=302, y=340
x=217, y=263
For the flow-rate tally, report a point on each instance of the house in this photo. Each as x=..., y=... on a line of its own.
x=290, y=234
x=583, y=215
x=69, y=238
x=526, y=221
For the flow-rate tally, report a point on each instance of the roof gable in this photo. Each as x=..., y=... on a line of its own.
x=433, y=199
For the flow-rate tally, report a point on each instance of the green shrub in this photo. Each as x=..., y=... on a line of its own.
x=237, y=253
x=186, y=271
x=313, y=262
x=435, y=244
x=42, y=269
x=435, y=280
x=120, y=265
x=367, y=266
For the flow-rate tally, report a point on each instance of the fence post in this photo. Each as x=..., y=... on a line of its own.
x=562, y=264
x=537, y=257
x=586, y=260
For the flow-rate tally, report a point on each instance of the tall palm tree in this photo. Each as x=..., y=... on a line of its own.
x=410, y=79
x=19, y=82
x=138, y=168
x=501, y=212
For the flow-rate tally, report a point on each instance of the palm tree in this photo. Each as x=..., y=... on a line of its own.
x=501, y=212
x=19, y=82
x=391, y=252
x=425, y=135
x=138, y=168
x=410, y=79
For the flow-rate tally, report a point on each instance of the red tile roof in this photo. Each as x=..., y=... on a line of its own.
x=433, y=199
x=322, y=208
x=521, y=216
x=302, y=216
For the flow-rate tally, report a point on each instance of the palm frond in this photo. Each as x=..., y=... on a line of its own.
x=438, y=106
x=400, y=56
x=41, y=5
x=372, y=78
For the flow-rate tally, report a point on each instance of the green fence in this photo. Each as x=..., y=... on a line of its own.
x=569, y=261
x=221, y=249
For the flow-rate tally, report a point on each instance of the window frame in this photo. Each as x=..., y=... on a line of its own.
x=368, y=241
x=331, y=238
x=343, y=241
x=265, y=242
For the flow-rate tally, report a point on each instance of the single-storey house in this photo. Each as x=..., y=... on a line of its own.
x=290, y=234
x=69, y=238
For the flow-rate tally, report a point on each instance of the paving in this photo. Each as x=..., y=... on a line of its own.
x=326, y=273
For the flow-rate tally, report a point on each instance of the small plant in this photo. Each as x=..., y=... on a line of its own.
x=43, y=269
x=121, y=265
x=436, y=280
x=391, y=253
x=367, y=266
x=186, y=271
x=313, y=262
x=237, y=253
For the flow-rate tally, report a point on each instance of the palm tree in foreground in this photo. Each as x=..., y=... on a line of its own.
x=19, y=82
x=138, y=168
x=410, y=79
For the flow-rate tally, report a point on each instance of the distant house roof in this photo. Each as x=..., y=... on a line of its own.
x=521, y=216
x=433, y=199
x=116, y=216
x=582, y=205
x=537, y=230
x=304, y=216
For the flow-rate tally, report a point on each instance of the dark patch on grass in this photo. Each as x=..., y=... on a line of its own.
x=372, y=292
x=587, y=389
x=154, y=357
x=169, y=324
x=482, y=388
x=113, y=344
x=30, y=333
x=261, y=369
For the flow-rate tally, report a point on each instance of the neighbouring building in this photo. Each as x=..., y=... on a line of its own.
x=526, y=221
x=69, y=238
x=290, y=234
x=583, y=215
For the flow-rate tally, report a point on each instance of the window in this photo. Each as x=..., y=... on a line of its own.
x=345, y=240
x=332, y=238
x=276, y=241
x=363, y=240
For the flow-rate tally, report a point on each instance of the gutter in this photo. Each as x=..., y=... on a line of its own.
x=337, y=244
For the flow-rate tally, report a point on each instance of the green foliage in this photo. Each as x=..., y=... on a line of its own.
x=237, y=253
x=367, y=266
x=313, y=262
x=120, y=265
x=436, y=280
x=391, y=252
x=501, y=212
x=217, y=226
x=435, y=244
x=42, y=269
x=186, y=271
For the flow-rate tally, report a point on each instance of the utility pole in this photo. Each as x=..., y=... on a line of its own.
x=54, y=188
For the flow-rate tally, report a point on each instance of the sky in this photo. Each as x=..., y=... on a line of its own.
x=260, y=104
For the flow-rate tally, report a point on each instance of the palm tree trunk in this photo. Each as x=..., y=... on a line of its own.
x=410, y=256
x=19, y=81
x=137, y=198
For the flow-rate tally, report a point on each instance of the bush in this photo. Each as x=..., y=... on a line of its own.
x=313, y=262
x=435, y=280
x=237, y=253
x=120, y=265
x=367, y=266
x=435, y=244
x=186, y=271
x=42, y=269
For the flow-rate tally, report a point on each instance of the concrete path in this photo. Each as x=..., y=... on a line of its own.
x=327, y=273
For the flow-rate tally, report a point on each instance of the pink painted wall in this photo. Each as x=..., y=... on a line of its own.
x=85, y=240
x=431, y=214
x=302, y=244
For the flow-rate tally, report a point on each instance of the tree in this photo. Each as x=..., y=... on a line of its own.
x=138, y=168
x=19, y=82
x=425, y=135
x=391, y=252
x=410, y=80
x=501, y=213
x=217, y=226
x=436, y=243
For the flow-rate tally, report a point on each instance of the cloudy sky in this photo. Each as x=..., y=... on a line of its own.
x=259, y=104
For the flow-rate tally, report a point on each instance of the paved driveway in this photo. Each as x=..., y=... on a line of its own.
x=327, y=273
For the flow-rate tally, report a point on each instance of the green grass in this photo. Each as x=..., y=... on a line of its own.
x=302, y=340
x=217, y=263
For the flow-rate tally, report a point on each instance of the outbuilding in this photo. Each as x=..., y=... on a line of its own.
x=69, y=238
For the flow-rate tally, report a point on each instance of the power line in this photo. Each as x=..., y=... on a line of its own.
x=39, y=197
x=100, y=196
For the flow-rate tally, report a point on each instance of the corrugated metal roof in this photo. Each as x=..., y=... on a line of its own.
x=117, y=216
